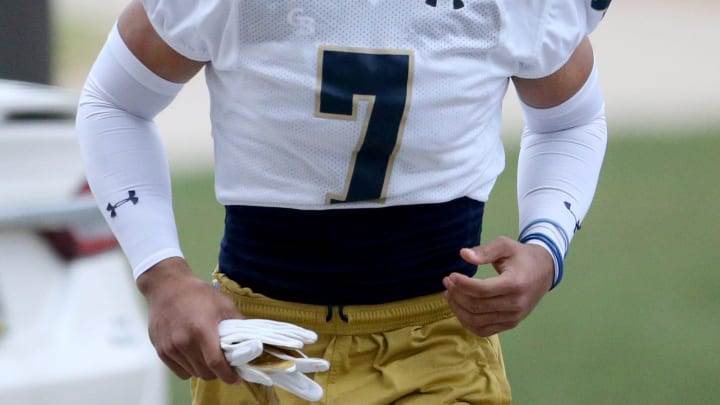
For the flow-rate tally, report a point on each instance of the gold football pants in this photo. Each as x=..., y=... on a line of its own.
x=406, y=352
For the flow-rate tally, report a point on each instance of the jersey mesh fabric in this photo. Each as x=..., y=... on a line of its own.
x=313, y=156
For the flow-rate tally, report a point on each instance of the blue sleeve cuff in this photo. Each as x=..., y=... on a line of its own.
x=558, y=258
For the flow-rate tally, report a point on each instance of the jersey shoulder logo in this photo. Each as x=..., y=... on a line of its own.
x=113, y=207
x=457, y=4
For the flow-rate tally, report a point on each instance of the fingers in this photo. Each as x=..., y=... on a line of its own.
x=173, y=351
x=188, y=357
x=489, y=330
x=474, y=288
x=218, y=366
x=492, y=305
x=480, y=306
x=486, y=317
x=495, y=251
x=193, y=350
x=179, y=368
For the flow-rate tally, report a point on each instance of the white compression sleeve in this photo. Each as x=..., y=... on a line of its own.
x=123, y=155
x=561, y=154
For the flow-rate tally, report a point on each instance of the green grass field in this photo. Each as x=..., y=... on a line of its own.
x=637, y=317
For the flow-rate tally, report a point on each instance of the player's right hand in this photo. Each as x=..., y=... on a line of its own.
x=183, y=317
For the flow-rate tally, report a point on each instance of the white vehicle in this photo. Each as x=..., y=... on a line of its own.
x=72, y=327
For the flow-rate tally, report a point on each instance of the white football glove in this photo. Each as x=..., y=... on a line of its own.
x=268, y=353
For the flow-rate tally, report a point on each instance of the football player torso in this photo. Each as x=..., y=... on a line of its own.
x=322, y=105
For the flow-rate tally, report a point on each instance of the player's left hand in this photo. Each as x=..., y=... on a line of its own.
x=492, y=305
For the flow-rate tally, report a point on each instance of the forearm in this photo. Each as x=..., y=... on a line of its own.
x=561, y=154
x=123, y=155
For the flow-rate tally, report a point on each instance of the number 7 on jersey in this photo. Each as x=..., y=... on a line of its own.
x=383, y=79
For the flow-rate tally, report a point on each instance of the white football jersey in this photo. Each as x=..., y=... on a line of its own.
x=334, y=104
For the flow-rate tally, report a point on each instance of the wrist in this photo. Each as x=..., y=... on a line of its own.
x=166, y=271
x=549, y=255
x=546, y=264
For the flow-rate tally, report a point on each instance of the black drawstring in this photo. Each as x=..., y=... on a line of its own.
x=341, y=312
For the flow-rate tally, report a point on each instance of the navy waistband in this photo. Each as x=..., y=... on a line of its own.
x=349, y=256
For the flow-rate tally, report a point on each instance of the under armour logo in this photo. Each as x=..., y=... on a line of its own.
x=112, y=207
x=577, y=223
x=457, y=4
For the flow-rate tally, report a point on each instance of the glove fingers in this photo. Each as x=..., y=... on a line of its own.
x=251, y=333
x=304, y=364
x=266, y=362
x=298, y=384
x=268, y=352
x=250, y=374
x=312, y=365
x=263, y=324
x=264, y=327
x=269, y=340
x=242, y=352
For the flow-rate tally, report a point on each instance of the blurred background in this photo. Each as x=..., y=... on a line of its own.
x=637, y=318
